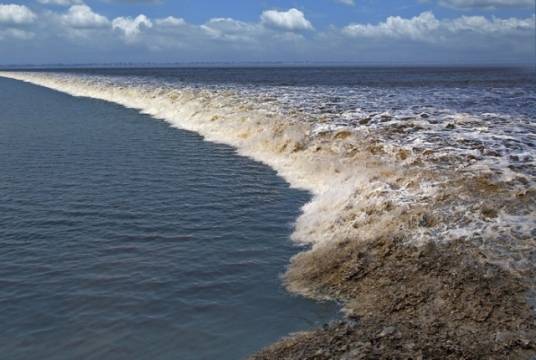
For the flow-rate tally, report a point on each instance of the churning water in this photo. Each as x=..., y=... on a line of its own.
x=124, y=238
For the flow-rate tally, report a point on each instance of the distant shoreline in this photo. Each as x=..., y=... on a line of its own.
x=274, y=64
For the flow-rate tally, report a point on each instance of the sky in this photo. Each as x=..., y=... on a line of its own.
x=185, y=31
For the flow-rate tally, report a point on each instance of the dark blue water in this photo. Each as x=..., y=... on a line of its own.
x=122, y=238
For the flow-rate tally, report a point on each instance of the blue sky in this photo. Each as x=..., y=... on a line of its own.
x=322, y=12
x=362, y=31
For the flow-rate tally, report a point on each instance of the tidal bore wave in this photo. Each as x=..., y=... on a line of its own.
x=422, y=222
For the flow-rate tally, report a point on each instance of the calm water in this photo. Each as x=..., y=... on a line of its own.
x=123, y=238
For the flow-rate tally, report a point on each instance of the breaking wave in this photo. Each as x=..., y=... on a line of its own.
x=424, y=173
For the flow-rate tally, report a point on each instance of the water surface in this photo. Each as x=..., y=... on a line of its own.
x=124, y=238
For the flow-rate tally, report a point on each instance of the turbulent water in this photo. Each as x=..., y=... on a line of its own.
x=124, y=238
x=429, y=154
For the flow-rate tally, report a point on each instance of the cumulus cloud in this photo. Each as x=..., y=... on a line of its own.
x=486, y=4
x=416, y=28
x=482, y=25
x=291, y=20
x=130, y=27
x=16, y=14
x=170, y=21
x=230, y=29
x=60, y=2
x=81, y=16
x=426, y=27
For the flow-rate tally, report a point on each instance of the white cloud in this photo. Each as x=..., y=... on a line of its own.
x=291, y=20
x=170, y=21
x=16, y=14
x=131, y=28
x=486, y=4
x=480, y=24
x=81, y=16
x=231, y=29
x=426, y=27
x=416, y=28
x=60, y=2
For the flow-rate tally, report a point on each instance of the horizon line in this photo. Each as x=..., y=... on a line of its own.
x=128, y=64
